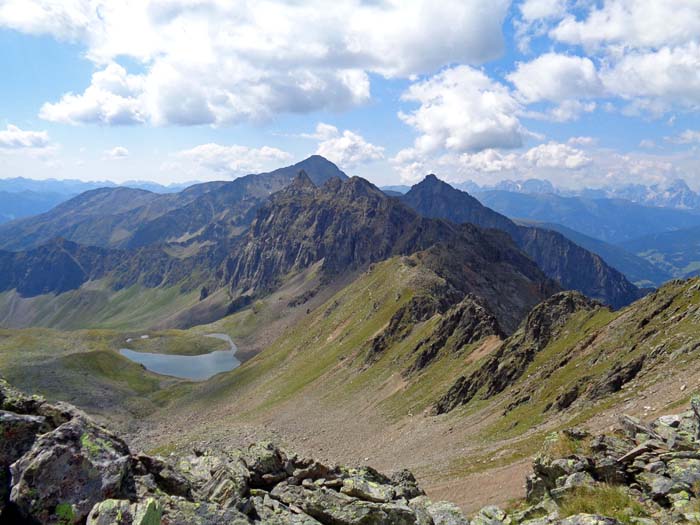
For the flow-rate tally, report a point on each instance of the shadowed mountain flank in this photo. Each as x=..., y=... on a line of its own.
x=572, y=266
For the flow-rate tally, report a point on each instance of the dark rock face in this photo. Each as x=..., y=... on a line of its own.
x=53, y=268
x=418, y=309
x=508, y=364
x=72, y=467
x=61, y=265
x=616, y=378
x=435, y=198
x=466, y=323
x=572, y=266
x=576, y=268
x=67, y=470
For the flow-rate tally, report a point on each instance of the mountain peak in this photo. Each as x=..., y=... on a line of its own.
x=432, y=181
x=320, y=169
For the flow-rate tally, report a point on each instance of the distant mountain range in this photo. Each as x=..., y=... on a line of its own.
x=16, y=204
x=673, y=194
x=21, y=197
x=610, y=220
x=649, y=233
x=74, y=186
x=123, y=217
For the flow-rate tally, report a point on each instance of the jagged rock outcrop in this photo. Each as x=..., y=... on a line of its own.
x=61, y=468
x=507, y=365
x=559, y=258
x=643, y=473
x=464, y=324
x=418, y=309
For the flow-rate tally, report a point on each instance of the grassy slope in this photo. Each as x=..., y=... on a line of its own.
x=591, y=345
x=95, y=306
x=329, y=345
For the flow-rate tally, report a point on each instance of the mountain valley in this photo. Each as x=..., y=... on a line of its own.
x=422, y=331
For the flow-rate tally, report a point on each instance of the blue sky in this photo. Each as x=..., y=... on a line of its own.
x=581, y=92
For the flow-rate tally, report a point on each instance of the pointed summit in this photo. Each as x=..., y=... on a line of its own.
x=302, y=183
x=432, y=182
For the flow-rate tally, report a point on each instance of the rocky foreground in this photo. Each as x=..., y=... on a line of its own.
x=57, y=466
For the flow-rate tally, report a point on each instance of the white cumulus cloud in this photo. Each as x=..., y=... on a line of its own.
x=537, y=9
x=658, y=80
x=232, y=161
x=461, y=109
x=15, y=138
x=114, y=97
x=556, y=77
x=218, y=62
x=489, y=161
x=556, y=155
x=632, y=23
x=347, y=149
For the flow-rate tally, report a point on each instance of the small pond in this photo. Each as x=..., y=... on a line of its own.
x=194, y=367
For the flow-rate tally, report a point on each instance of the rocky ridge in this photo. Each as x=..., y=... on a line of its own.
x=348, y=225
x=507, y=364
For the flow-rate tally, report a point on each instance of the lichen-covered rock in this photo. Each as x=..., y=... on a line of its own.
x=655, y=466
x=328, y=506
x=440, y=513
x=490, y=516
x=68, y=470
x=179, y=511
x=17, y=435
x=123, y=512
x=368, y=490
x=111, y=512
x=266, y=464
x=572, y=482
x=218, y=479
x=588, y=519
x=405, y=485
x=273, y=512
x=165, y=476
